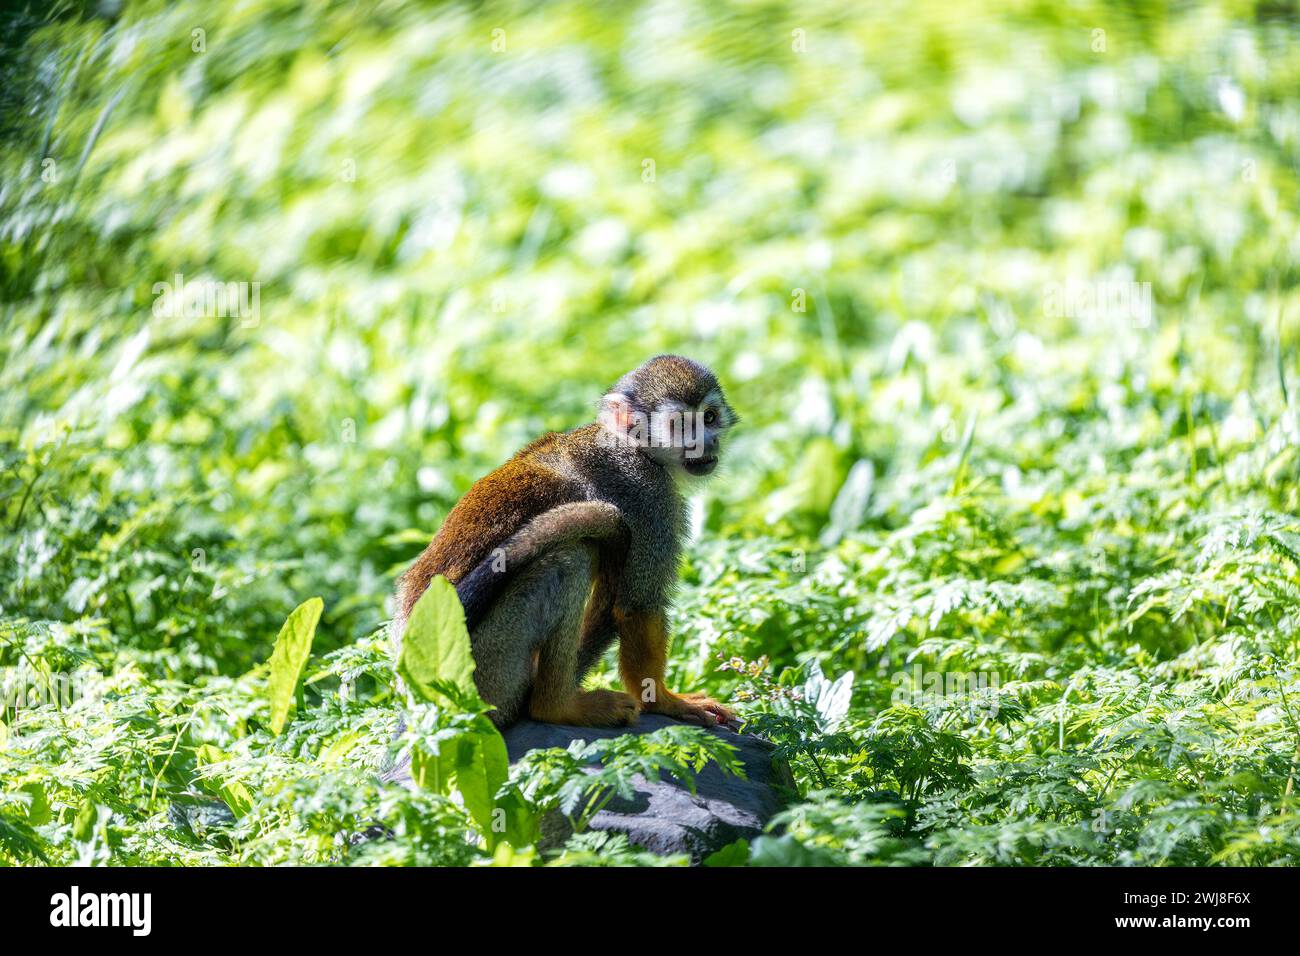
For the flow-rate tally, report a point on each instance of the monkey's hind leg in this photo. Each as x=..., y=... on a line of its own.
x=540, y=615
x=557, y=696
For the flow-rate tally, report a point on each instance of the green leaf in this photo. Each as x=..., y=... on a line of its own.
x=83, y=827
x=523, y=823
x=292, y=648
x=234, y=794
x=19, y=839
x=814, y=483
x=436, y=660
x=482, y=767
x=785, y=851
x=830, y=699
x=38, y=809
x=90, y=834
x=507, y=854
x=433, y=761
x=733, y=854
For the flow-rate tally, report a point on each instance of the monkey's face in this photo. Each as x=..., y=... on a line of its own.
x=674, y=412
x=695, y=435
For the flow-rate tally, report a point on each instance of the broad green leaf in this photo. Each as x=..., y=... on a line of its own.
x=507, y=855
x=38, y=810
x=436, y=656
x=234, y=794
x=340, y=748
x=482, y=767
x=785, y=851
x=733, y=854
x=431, y=769
x=292, y=648
x=523, y=824
x=83, y=826
x=850, y=504
x=813, y=484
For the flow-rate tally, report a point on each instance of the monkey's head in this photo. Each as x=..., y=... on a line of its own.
x=671, y=409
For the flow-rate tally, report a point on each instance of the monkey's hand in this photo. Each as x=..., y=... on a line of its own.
x=693, y=708
x=642, y=652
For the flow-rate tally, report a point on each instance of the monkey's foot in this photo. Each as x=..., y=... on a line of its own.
x=590, y=708
x=694, y=708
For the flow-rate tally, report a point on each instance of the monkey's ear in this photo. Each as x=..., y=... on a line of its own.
x=616, y=413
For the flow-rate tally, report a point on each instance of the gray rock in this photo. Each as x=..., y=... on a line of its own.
x=663, y=816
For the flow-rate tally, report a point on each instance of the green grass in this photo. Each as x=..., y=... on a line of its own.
x=1056, y=547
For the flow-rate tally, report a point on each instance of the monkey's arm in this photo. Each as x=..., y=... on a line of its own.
x=642, y=659
x=595, y=521
x=492, y=510
x=505, y=521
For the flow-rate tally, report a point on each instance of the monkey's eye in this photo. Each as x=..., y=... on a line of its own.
x=710, y=417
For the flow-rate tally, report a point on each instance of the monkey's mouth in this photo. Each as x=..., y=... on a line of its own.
x=700, y=466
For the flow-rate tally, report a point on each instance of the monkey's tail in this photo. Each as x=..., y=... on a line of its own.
x=596, y=521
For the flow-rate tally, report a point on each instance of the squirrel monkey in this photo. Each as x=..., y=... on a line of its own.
x=575, y=541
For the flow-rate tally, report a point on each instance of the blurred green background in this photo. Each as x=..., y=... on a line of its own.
x=466, y=220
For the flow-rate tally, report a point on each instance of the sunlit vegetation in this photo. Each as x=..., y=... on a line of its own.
x=1004, y=556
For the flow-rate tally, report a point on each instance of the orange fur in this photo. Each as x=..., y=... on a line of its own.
x=643, y=658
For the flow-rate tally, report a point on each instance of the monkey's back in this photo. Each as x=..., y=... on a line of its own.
x=496, y=506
